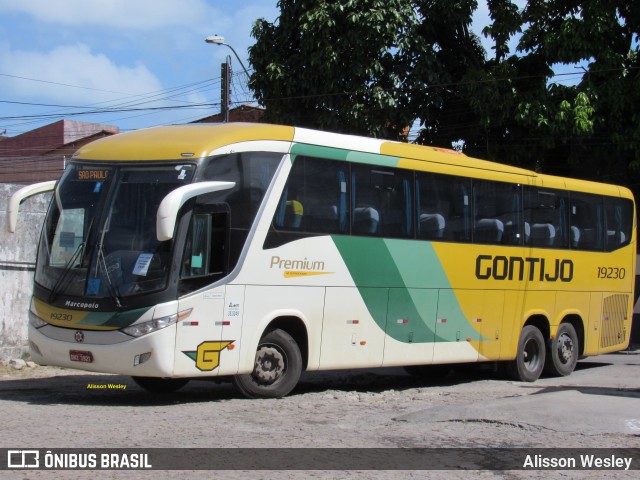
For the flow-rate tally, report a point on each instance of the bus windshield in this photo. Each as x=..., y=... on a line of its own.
x=99, y=238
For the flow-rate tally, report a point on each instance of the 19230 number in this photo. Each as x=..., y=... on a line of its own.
x=613, y=273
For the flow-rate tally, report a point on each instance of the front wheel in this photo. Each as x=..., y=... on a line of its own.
x=529, y=361
x=562, y=351
x=277, y=368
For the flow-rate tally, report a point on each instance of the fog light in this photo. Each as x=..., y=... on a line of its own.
x=139, y=359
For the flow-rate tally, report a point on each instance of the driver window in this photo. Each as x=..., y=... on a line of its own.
x=198, y=246
x=206, y=247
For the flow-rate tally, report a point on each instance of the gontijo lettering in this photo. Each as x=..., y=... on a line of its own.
x=521, y=268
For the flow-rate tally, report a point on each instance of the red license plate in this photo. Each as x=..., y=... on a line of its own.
x=80, y=356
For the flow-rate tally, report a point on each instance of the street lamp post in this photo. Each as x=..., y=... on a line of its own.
x=218, y=40
x=225, y=99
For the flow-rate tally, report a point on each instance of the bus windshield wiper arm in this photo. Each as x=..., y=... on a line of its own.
x=67, y=268
x=113, y=289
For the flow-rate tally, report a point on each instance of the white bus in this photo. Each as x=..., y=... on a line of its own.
x=255, y=252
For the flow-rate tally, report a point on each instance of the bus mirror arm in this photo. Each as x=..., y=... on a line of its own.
x=21, y=195
x=171, y=204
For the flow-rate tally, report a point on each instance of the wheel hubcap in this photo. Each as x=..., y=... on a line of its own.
x=270, y=364
x=531, y=357
x=565, y=348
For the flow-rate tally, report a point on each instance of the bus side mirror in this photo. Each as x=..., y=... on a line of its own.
x=20, y=196
x=171, y=204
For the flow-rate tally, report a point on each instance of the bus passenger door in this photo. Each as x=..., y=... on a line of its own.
x=485, y=310
x=353, y=327
x=456, y=339
x=198, y=334
x=232, y=323
x=410, y=328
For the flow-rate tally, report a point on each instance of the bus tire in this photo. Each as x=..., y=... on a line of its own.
x=160, y=385
x=529, y=362
x=277, y=369
x=562, y=351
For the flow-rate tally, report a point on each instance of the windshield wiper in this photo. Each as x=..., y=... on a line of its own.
x=112, y=288
x=67, y=268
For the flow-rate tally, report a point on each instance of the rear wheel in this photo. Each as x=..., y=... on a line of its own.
x=562, y=351
x=161, y=385
x=529, y=361
x=277, y=368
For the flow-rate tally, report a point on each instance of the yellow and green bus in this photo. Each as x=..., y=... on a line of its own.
x=254, y=252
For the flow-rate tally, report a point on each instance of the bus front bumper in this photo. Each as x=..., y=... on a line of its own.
x=150, y=355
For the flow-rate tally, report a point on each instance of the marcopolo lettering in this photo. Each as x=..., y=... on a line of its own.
x=71, y=304
x=502, y=267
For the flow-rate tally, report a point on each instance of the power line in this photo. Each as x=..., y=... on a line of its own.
x=61, y=84
x=169, y=95
x=109, y=110
x=172, y=94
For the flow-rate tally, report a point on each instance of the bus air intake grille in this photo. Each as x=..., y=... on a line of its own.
x=614, y=314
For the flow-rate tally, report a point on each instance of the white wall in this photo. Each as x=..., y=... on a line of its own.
x=17, y=261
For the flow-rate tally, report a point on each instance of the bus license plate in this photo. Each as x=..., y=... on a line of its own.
x=80, y=356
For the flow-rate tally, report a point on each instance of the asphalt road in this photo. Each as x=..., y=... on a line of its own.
x=598, y=406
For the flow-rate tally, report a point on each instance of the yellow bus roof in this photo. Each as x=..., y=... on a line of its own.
x=201, y=140
x=448, y=157
x=179, y=141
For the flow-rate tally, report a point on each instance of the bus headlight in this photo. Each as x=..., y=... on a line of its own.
x=35, y=321
x=140, y=329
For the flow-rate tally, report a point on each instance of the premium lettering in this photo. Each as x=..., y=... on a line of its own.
x=532, y=269
x=304, y=264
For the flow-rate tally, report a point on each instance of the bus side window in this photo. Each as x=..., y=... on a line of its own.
x=618, y=222
x=442, y=207
x=587, y=222
x=382, y=201
x=545, y=217
x=497, y=213
x=314, y=199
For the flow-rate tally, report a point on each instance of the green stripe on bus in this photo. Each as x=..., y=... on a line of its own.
x=400, y=279
x=112, y=319
x=343, y=155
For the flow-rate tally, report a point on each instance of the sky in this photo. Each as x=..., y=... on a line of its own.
x=62, y=57
x=121, y=58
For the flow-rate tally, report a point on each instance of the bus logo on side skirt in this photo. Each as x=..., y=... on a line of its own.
x=207, y=356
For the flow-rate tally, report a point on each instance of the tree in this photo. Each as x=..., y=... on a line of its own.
x=333, y=65
x=373, y=67
x=587, y=129
x=604, y=34
x=501, y=107
x=441, y=51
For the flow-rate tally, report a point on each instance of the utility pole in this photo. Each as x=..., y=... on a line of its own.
x=225, y=93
